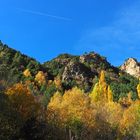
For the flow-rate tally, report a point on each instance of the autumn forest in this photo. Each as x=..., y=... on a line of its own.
x=41, y=102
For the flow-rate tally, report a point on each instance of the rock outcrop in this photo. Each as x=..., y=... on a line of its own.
x=131, y=66
x=81, y=71
x=78, y=72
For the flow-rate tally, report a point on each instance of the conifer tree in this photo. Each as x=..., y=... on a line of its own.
x=103, y=85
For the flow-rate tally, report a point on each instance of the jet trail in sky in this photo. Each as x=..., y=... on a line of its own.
x=43, y=14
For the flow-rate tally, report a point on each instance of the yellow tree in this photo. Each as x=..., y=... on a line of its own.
x=53, y=109
x=130, y=122
x=23, y=101
x=103, y=85
x=101, y=90
x=40, y=78
x=109, y=94
x=69, y=105
x=138, y=90
x=55, y=101
x=73, y=113
x=74, y=110
x=76, y=101
x=27, y=73
x=68, y=109
x=95, y=94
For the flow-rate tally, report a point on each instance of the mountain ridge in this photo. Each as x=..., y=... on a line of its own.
x=81, y=70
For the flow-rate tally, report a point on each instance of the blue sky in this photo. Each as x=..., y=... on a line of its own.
x=44, y=29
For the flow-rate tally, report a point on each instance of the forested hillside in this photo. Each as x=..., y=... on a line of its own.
x=68, y=98
x=81, y=71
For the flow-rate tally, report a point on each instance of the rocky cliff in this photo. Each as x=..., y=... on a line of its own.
x=131, y=66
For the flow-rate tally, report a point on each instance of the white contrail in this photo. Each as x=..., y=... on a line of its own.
x=43, y=14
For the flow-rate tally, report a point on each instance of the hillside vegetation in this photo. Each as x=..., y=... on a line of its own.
x=67, y=98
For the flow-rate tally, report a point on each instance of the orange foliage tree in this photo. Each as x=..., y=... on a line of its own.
x=23, y=101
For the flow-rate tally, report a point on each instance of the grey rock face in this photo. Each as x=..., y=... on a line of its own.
x=77, y=71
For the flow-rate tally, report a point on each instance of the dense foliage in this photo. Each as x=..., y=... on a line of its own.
x=37, y=103
x=67, y=115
